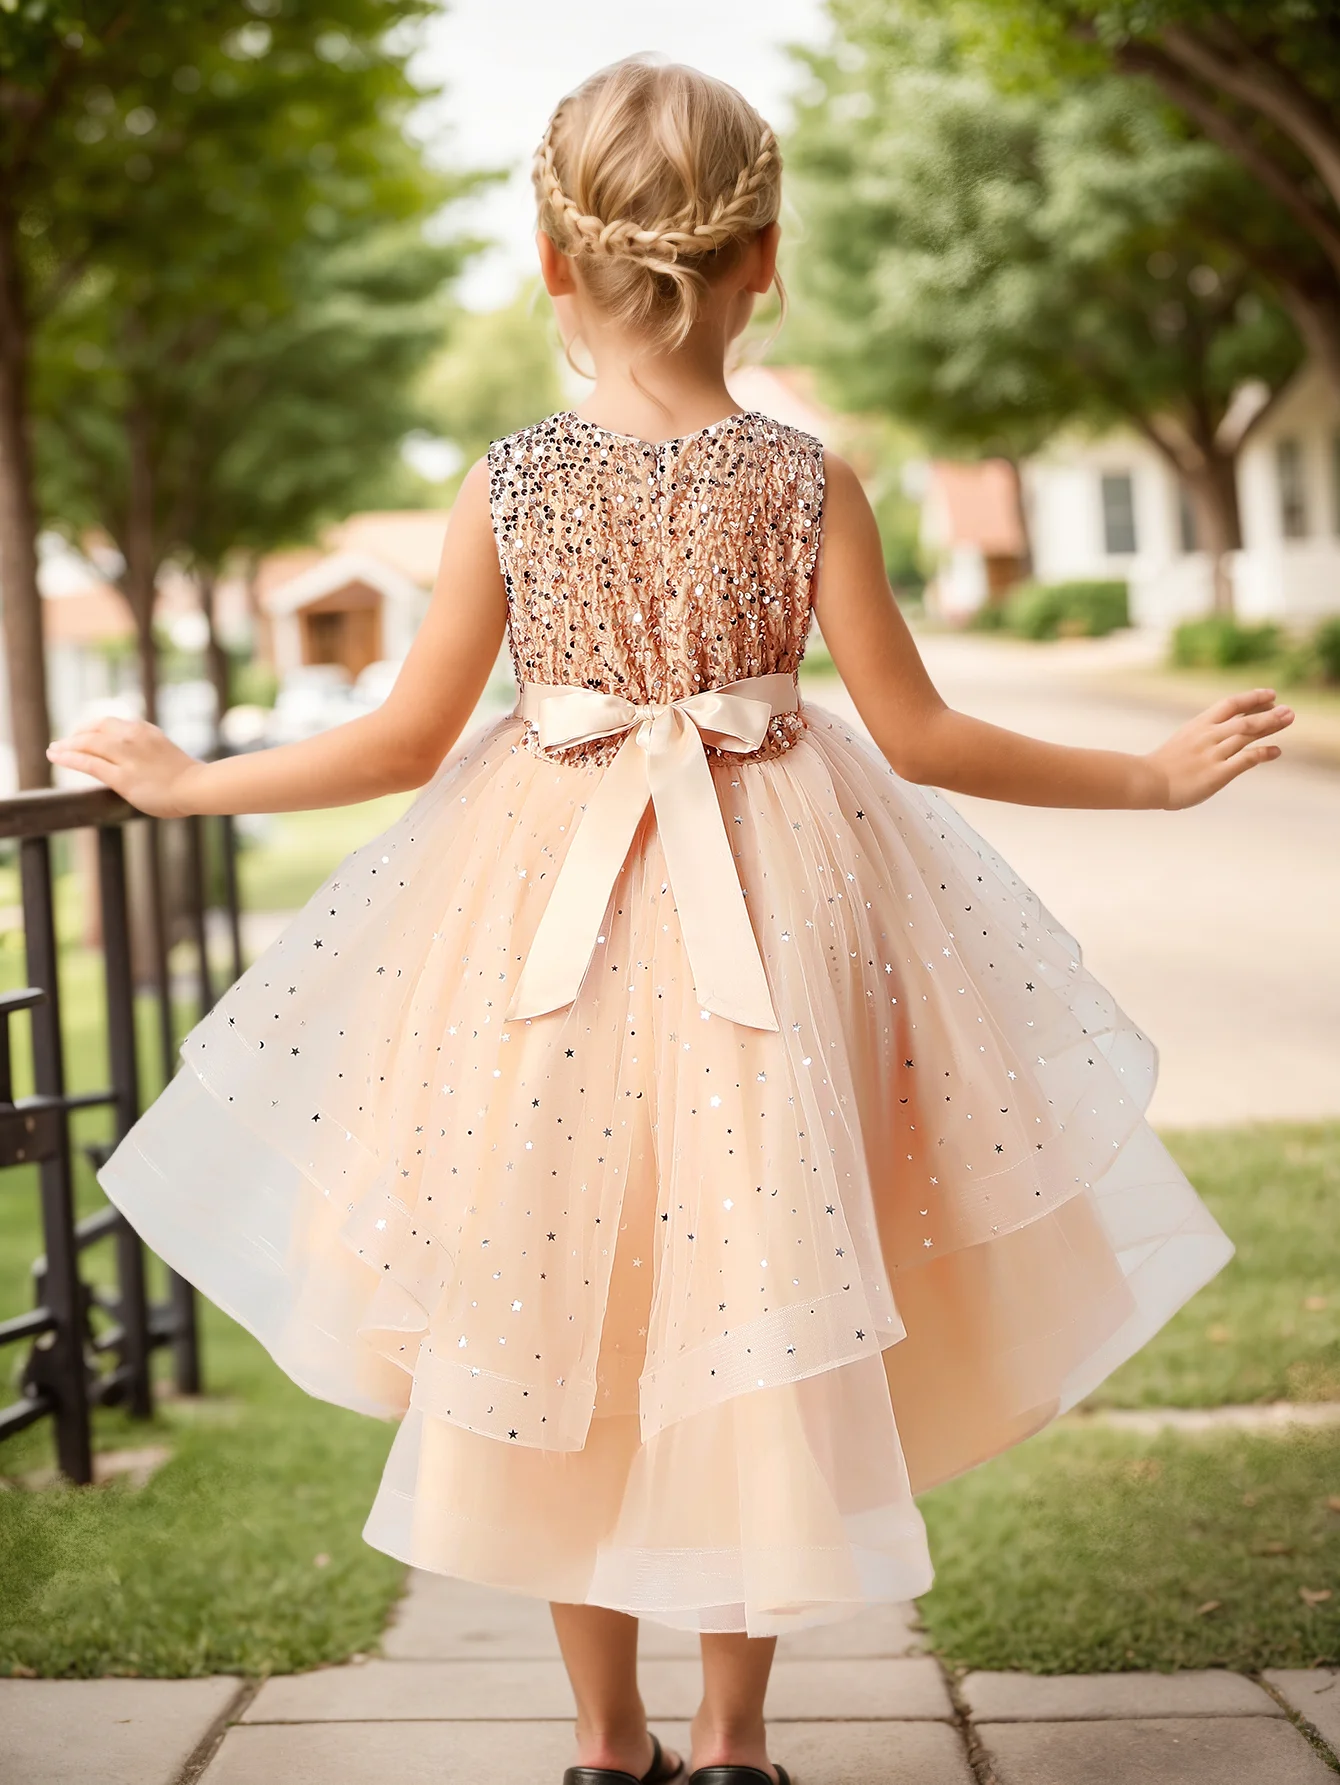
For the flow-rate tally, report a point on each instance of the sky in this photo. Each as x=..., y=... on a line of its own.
x=505, y=64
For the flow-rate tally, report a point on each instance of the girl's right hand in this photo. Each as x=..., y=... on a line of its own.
x=134, y=759
x=1216, y=747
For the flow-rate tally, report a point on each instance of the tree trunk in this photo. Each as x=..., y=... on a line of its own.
x=1213, y=491
x=25, y=651
x=216, y=658
x=139, y=582
x=1025, y=532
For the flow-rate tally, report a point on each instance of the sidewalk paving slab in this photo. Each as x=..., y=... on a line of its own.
x=1049, y=1698
x=392, y=1754
x=106, y=1732
x=440, y=1619
x=1313, y=1692
x=884, y=1630
x=1155, y=1751
x=866, y=1688
x=536, y=1754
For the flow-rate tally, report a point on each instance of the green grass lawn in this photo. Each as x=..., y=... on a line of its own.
x=1268, y=1327
x=1096, y=1551
x=295, y=851
x=242, y=1554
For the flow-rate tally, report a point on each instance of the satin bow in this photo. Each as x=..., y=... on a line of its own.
x=662, y=760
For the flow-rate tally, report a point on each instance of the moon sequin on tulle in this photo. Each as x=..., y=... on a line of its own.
x=676, y=1315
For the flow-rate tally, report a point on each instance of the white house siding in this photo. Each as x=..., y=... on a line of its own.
x=1063, y=496
x=1292, y=580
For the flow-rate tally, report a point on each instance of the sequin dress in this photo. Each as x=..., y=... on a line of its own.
x=676, y=1314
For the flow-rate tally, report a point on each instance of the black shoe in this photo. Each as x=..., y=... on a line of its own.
x=660, y=1772
x=737, y=1775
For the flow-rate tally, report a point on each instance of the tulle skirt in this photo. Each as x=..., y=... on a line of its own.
x=676, y=1315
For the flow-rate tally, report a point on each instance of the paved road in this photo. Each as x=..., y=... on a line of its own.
x=1218, y=930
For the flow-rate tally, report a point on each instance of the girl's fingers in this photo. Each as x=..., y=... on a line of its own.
x=1243, y=731
x=1251, y=701
x=86, y=763
x=1249, y=759
x=86, y=744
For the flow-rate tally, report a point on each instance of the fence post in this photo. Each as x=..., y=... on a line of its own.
x=64, y=1371
x=124, y=1077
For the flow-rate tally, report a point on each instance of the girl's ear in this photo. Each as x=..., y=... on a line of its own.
x=761, y=260
x=556, y=268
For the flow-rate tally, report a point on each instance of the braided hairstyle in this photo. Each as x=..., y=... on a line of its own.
x=654, y=177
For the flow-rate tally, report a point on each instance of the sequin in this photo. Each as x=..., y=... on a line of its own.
x=718, y=535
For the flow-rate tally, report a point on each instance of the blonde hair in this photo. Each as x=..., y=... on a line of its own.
x=654, y=177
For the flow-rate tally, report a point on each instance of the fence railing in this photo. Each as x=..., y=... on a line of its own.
x=90, y=1344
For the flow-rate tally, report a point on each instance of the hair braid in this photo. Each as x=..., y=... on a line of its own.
x=663, y=169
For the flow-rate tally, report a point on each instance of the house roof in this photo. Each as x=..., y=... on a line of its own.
x=977, y=505
x=90, y=616
x=409, y=540
x=79, y=605
x=338, y=571
x=394, y=551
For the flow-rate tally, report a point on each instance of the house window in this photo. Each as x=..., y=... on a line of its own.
x=1118, y=513
x=1186, y=520
x=1293, y=495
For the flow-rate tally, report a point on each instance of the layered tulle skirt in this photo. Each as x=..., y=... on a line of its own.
x=676, y=1315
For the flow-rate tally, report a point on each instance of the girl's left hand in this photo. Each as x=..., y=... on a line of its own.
x=134, y=759
x=1216, y=747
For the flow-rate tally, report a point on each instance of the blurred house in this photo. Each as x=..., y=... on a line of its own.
x=972, y=533
x=89, y=632
x=1112, y=508
x=787, y=394
x=356, y=599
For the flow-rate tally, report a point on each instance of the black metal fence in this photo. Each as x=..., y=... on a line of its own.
x=91, y=1344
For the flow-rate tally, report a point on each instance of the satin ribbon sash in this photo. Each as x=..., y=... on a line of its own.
x=662, y=761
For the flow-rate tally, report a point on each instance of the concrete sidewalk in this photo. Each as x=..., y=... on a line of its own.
x=469, y=1690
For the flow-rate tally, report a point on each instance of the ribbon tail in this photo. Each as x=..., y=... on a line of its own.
x=728, y=974
x=569, y=927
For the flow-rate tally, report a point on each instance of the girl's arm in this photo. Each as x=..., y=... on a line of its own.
x=396, y=748
x=926, y=741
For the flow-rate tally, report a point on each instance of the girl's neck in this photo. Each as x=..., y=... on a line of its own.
x=661, y=396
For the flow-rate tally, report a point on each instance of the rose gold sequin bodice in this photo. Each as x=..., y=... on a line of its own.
x=656, y=571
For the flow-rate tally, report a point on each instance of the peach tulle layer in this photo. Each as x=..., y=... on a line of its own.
x=677, y=1315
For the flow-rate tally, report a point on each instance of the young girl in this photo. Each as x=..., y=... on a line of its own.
x=679, y=1118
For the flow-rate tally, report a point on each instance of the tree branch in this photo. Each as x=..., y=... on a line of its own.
x=1228, y=133
x=49, y=103
x=1267, y=87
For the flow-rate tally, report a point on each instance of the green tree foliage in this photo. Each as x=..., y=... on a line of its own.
x=1259, y=78
x=994, y=266
x=213, y=222
x=498, y=372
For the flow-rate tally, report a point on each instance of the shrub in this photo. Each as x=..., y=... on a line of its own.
x=1067, y=610
x=989, y=617
x=1221, y=642
x=1326, y=649
x=255, y=683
